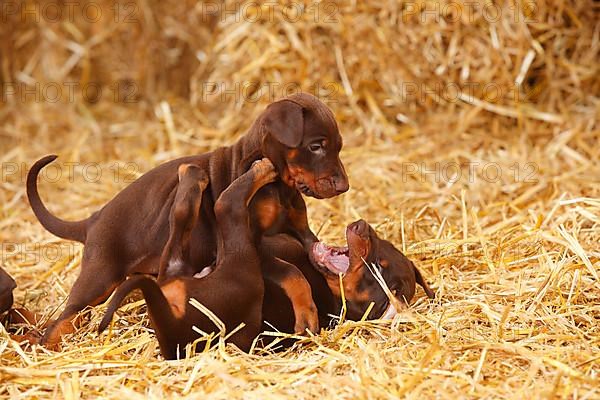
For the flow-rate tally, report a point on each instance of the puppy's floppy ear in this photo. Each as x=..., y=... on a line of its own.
x=284, y=121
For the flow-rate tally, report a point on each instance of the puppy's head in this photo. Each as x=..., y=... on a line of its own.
x=7, y=284
x=301, y=138
x=360, y=286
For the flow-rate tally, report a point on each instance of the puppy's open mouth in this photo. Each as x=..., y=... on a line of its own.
x=331, y=258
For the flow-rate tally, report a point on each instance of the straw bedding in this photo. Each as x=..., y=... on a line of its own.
x=493, y=191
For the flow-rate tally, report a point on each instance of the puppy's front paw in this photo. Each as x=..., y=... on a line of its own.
x=307, y=318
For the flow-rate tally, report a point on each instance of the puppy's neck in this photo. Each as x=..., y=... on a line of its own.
x=249, y=146
x=229, y=162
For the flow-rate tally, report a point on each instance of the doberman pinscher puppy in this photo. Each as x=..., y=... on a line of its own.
x=360, y=287
x=233, y=291
x=176, y=254
x=7, y=285
x=298, y=134
x=359, y=284
x=292, y=285
x=18, y=316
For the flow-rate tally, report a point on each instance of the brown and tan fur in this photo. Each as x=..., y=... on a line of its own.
x=175, y=256
x=233, y=291
x=129, y=233
x=360, y=287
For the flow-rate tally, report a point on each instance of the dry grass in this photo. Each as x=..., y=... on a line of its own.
x=514, y=259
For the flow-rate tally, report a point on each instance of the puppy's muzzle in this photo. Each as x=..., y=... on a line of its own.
x=331, y=186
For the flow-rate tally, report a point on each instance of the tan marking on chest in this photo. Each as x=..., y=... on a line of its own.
x=176, y=295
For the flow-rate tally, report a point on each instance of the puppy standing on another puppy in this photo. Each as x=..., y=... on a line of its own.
x=233, y=292
x=360, y=287
x=298, y=134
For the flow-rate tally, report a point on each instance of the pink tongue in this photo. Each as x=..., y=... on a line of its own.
x=338, y=263
x=334, y=259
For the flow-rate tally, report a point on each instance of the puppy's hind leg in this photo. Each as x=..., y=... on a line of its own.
x=175, y=258
x=231, y=208
x=93, y=286
x=238, y=262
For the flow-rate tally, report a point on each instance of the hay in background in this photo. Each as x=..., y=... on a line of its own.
x=513, y=258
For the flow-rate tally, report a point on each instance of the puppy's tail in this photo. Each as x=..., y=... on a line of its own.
x=158, y=306
x=72, y=230
x=423, y=283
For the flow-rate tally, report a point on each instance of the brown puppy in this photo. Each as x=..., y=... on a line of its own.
x=284, y=251
x=293, y=286
x=7, y=285
x=176, y=255
x=298, y=134
x=18, y=316
x=360, y=286
x=233, y=292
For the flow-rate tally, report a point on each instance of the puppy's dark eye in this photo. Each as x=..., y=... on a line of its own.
x=316, y=147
